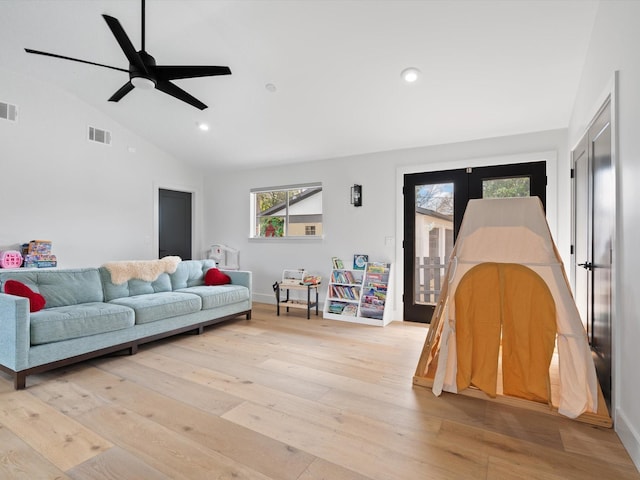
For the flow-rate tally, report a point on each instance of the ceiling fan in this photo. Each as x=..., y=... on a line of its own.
x=143, y=71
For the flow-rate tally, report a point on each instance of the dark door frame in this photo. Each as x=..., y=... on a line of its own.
x=552, y=201
x=468, y=185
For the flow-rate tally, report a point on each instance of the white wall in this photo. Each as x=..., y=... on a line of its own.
x=96, y=203
x=375, y=228
x=613, y=48
x=347, y=230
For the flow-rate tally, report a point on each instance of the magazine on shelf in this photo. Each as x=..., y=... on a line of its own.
x=337, y=263
x=336, y=307
x=377, y=267
x=360, y=261
x=350, y=310
x=343, y=276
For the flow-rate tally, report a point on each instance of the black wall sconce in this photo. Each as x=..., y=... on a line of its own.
x=356, y=195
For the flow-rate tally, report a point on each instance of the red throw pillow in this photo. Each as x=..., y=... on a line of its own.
x=36, y=301
x=216, y=277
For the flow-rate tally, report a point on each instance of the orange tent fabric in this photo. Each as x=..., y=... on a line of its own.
x=510, y=303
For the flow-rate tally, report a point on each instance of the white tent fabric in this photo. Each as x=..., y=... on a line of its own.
x=515, y=230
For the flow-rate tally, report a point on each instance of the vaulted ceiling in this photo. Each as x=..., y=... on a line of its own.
x=488, y=68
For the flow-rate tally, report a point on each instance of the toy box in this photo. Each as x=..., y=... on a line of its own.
x=39, y=247
x=40, y=261
x=292, y=276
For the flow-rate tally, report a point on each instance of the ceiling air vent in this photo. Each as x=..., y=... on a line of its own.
x=99, y=136
x=8, y=112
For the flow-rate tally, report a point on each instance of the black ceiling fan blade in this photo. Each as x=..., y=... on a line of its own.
x=124, y=42
x=122, y=91
x=173, y=72
x=55, y=55
x=175, y=91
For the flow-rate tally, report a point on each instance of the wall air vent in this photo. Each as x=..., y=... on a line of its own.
x=8, y=112
x=100, y=136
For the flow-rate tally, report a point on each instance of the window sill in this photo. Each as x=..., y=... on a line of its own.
x=303, y=238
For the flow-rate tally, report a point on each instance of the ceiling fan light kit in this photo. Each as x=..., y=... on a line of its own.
x=143, y=71
x=143, y=83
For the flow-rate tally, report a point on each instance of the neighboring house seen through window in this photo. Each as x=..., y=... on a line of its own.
x=287, y=211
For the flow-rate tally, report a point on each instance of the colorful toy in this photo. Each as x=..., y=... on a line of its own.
x=10, y=259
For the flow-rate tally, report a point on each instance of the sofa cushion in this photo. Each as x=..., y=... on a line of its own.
x=63, y=323
x=161, y=305
x=216, y=296
x=36, y=301
x=216, y=277
x=132, y=287
x=190, y=273
x=61, y=287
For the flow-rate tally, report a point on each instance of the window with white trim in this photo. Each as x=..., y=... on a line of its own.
x=287, y=211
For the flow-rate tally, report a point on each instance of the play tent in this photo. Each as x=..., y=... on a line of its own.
x=506, y=290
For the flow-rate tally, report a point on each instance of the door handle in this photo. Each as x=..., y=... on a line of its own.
x=586, y=265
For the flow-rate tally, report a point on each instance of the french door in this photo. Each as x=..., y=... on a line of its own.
x=434, y=204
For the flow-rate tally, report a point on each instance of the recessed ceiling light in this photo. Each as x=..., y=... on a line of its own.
x=270, y=87
x=410, y=75
x=203, y=126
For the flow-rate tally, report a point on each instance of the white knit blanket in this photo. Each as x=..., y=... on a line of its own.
x=148, y=270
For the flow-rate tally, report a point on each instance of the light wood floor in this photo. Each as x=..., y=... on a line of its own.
x=283, y=398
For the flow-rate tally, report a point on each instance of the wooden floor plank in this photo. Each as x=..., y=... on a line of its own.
x=186, y=391
x=17, y=460
x=258, y=452
x=54, y=435
x=235, y=369
x=283, y=398
x=322, y=470
x=116, y=464
x=595, y=443
x=403, y=396
x=174, y=455
x=548, y=460
x=499, y=469
x=6, y=383
x=356, y=454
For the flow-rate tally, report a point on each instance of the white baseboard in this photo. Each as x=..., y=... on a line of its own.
x=264, y=298
x=629, y=436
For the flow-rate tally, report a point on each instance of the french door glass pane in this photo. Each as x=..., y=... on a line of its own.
x=433, y=239
x=506, y=187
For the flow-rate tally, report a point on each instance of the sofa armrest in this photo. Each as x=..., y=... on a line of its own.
x=240, y=277
x=14, y=332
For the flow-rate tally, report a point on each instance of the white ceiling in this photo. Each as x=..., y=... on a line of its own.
x=489, y=68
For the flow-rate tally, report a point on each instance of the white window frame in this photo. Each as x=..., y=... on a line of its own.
x=254, y=230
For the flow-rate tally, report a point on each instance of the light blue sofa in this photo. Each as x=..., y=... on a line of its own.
x=87, y=316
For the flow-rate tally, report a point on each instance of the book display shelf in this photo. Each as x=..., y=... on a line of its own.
x=359, y=296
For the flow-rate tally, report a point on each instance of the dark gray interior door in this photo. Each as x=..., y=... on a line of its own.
x=603, y=228
x=594, y=229
x=174, y=218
